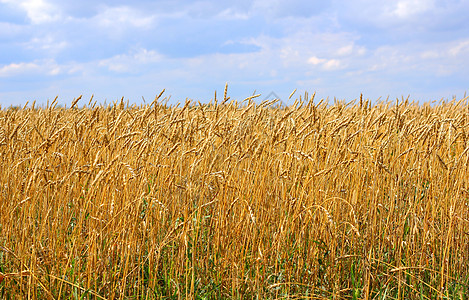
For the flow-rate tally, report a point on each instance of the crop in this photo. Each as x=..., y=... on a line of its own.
x=235, y=200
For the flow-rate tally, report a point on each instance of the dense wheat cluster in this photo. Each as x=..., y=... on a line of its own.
x=235, y=200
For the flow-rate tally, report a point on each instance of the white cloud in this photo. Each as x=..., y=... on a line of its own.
x=38, y=11
x=25, y=68
x=47, y=43
x=123, y=63
x=47, y=67
x=430, y=54
x=408, y=8
x=232, y=14
x=390, y=58
x=418, y=60
x=17, y=68
x=351, y=49
x=332, y=64
x=462, y=46
x=292, y=8
x=326, y=64
x=314, y=60
x=123, y=17
x=346, y=50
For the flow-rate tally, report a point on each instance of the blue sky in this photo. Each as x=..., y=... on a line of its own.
x=134, y=49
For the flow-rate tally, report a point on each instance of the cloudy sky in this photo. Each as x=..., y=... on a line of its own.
x=136, y=48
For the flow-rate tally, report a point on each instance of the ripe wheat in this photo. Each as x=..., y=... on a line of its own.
x=235, y=200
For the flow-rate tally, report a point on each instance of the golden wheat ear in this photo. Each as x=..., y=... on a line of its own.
x=351, y=199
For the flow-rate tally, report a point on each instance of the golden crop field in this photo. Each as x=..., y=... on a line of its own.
x=235, y=200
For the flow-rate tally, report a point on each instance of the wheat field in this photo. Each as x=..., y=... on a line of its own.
x=235, y=200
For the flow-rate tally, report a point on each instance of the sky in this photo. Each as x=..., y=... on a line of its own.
x=135, y=49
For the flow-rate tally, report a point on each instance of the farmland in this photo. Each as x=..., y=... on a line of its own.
x=347, y=200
